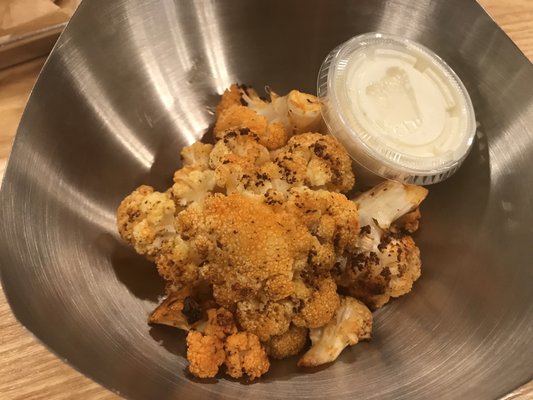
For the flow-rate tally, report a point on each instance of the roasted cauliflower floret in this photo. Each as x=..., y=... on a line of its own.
x=145, y=219
x=205, y=354
x=287, y=344
x=239, y=145
x=273, y=121
x=177, y=263
x=298, y=112
x=197, y=154
x=245, y=356
x=192, y=183
x=401, y=257
x=409, y=223
x=171, y=311
x=386, y=262
x=211, y=334
x=380, y=206
x=304, y=112
x=272, y=135
x=186, y=308
x=265, y=320
x=255, y=275
x=377, y=276
x=237, y=160
x=244, y=260
x=220, y=323
x=231, y=97
x=216, y=341
x=319, y=307
x=329, y=216
x=317, y=161
x=352, y=322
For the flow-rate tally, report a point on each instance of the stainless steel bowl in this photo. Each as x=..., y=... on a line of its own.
x=130, y=82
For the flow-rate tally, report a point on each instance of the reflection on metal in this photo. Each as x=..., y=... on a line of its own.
x=213, y=43
x=104, y=111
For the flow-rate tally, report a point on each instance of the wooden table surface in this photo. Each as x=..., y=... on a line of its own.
x=27, y=369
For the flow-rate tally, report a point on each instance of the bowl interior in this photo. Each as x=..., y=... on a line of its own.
x=131, y=82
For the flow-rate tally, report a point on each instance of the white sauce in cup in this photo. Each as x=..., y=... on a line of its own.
x=400, y=110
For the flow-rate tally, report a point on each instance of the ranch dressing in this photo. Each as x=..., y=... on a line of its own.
x=399, y=110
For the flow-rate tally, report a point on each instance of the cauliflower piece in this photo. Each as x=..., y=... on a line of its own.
x=237, y=160
x=409, y=222
x=220, y=323
x=247, y=267
x=317, y=161
x=274, y=198
x=197, y=154
x=177, y=263
x=192, y=183
x=352, y=322
x=386, y=264
x=145, y=219
x=171, y=311
x=298, y=112
x=241, y=263
x=401, y=257
x=275, y=110
x=231, y=97
x=265, y=320
x=273, y=180
x=273, y=121
x=245, y=356
x=257, y=276
x=206, y=343
x=217, y=341
x=272, y=136
x=377, y=276
x=329, y=216
x=304, y=112
x=381, y=206
x=287, y=344
x=186, y=308
x=238, y=176
x=242, y=145
x=318, y=309
x=388, y=201
x=205, y=354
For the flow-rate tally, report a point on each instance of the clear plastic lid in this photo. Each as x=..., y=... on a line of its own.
x=399, y=110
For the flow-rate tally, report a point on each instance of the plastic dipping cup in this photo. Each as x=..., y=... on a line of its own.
x=399, y=110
